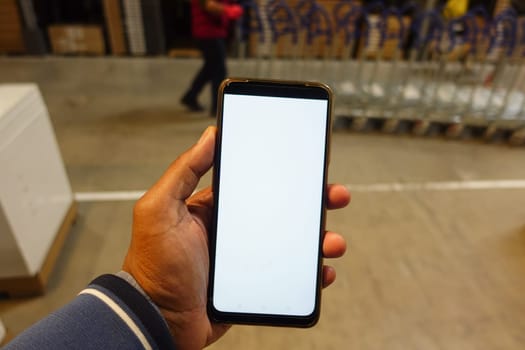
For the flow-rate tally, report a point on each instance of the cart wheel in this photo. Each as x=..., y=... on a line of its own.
x=499, y=136
x=490, y=133
x=517, y=138
x=474, y=131
x=421, y=127
x=375, y=124
x=454, y=130
x=390, y=125
x=359, y=123
x=436, y=129
x=405, y=126
x=342, y=123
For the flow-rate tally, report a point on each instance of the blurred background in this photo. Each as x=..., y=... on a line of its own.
x=428, y=133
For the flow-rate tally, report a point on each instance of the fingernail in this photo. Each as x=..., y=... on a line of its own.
x=204, y=135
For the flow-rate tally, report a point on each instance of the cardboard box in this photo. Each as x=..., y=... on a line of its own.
x=115, y=26
x=11, y=32
x=77, y=39
x=391, y=44
x=284, y=46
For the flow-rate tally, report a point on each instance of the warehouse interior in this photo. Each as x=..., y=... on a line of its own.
x=435, y=230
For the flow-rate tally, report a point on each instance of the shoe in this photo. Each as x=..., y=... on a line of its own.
x=192, y=104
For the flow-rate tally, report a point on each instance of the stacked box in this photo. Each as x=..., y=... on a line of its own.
x=153, y=27
x=11, y=28
x=77, y=39
x=115, y=27
x=501, y=5
x=284, y=47
x=390, y=44
x=255, y=45
x=134, y=26
x=337, y=46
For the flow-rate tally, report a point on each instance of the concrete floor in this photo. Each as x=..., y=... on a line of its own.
x=424, y=269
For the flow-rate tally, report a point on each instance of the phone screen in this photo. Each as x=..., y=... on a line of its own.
x=270, y=201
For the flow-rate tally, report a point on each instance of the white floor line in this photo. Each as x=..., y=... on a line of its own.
x=440, y=186
x=111, y=196
x=108, y=196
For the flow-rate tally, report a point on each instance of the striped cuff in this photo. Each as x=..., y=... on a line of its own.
x=123, y=299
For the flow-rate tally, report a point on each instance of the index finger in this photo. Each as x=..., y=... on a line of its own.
x=338, y=196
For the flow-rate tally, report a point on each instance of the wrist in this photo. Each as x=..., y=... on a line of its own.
x=178, y=323
x=126, y=276
x=133, y=307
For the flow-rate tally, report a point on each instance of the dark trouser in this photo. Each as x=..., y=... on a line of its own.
x=214, y=69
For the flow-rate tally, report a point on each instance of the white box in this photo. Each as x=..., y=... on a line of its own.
x=35, y=193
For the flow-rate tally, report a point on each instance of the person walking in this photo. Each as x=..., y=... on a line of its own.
x=210, y=21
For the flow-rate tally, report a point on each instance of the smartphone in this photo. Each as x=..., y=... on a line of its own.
x=269, y=186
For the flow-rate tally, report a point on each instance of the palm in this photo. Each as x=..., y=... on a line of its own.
x=182, y=250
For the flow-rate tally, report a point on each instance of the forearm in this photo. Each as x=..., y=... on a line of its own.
x=108, y=314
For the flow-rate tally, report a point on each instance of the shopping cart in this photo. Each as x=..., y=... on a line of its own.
x=518, y=135
x=250, y=56
x=391, y=78
x=405, y=105
x=478, y=24
x=495, y=96
x=346, y=19
x=319, y=44
x=504, y=101
x=375, y=87
x=401, y=69
x=440, y=101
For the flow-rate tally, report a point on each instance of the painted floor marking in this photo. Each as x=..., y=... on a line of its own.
x=108, y=196
x=112, y=196
x=440, y=186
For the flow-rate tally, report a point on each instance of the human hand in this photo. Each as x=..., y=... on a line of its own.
x=168, y=254
x=233, y=12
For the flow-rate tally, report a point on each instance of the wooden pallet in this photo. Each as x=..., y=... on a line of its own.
x=36, y=285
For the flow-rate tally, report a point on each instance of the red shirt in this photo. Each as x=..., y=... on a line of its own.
x=206, y=25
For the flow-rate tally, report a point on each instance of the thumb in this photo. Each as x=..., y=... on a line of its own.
x=183, y=175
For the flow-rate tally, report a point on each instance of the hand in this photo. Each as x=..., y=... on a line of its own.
x=168, y=255
x=233, y=12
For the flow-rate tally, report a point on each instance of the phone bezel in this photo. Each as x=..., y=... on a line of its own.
x=275, y=88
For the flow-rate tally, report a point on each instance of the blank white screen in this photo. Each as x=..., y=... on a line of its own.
x=269, y=205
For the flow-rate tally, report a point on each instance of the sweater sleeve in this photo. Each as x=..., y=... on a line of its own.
x=109, y=314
